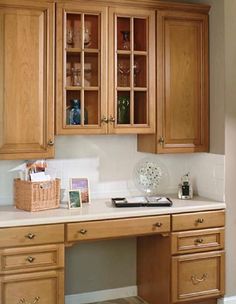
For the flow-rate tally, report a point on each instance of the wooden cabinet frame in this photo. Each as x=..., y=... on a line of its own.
x=27, y=101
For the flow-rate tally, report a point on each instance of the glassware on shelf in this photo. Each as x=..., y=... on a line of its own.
x=70, y=38
x=125, y=40
x=136, y=72
x=75, y=77
x=87, y=37
x=123, y=110
x=74, y=112
x=73, y=115
x=124, y=71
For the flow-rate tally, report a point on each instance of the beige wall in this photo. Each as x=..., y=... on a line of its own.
x=230, y=143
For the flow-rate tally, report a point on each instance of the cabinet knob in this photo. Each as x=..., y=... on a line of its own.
x=158, y=224
x=112, y=119
x=199, y=241
x=30, y=236
x=23, y=301
x=50, y=143
x=196, y=281
x=104, y=120
x=161, y=140
x=30, y=259
x=200, y=221
x=83, y=231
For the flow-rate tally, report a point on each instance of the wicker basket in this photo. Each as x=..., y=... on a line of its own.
x=36, y=196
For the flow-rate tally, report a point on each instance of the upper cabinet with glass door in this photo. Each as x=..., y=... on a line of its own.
x=81, y=69
x=132, y=71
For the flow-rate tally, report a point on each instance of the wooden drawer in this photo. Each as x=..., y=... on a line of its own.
x=31, y=235
x=25, y=259
x=197, y=276
x=117, y=228
x=39, y=287
x=197, y=240
x=198, y=220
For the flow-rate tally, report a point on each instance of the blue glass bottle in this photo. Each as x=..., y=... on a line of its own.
x=75, y=112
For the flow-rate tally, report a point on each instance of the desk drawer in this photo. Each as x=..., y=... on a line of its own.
x=31, y=235
x=197, y=240
x=117, y=228
x=25, y=259
x=197, y=276
x=198, y=220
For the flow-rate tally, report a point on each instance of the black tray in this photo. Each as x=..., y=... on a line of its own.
x=142, y=202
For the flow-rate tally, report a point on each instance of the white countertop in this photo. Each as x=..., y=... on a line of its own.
x=100, y=210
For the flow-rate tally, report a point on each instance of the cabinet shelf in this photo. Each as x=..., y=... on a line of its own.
x=76, y=88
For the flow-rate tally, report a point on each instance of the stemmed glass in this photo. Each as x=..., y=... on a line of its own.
x=124, y=71
x=70, y=37
x=136, y=72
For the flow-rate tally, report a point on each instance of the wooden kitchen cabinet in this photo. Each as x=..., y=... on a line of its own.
x=32, y=264
x=196, y=276
x=81, y=68
x=105, y=83
x=26, y=79
x=36, y=287
x=182, y=83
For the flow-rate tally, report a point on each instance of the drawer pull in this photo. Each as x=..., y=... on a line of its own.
x=30, y=236
x=196, y=281
x=30, y=259
x=199, y=241
x=83, y=231
x=158, y=224
x=23, y=301
x=200, y=221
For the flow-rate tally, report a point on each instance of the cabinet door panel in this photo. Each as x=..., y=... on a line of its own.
x=39, y=287
x=197, y=276
x=26, y=80
x=182, y=72
x=131, y=70
x=81, y=69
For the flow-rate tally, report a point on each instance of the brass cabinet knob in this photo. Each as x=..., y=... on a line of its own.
x=161, y=140
x=23, y=301
x=196, y=280
x=104, y=120
x=112, y=119
x=30, y=259
x=158, y=224
x=200, y=220
x=50, y=143
x=30, y=236
x=83, y=231
x=199, y=241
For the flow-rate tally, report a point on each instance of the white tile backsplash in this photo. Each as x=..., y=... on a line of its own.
x=108, y=161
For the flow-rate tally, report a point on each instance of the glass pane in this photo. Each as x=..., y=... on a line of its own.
x=140, y=71
x=140, y=34
x=91, y=107
x=73, y=108
x=90, y=69
x=123, y=33
x=123, y=107
x=91, y=32
x=73, y=31
x=73, y=69
x=123, y=71
x=140, y=108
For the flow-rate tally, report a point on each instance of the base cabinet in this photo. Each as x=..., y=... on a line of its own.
x=41, y=287
x=196, y=276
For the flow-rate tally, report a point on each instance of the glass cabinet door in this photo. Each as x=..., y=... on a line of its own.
x=132, y=75
x=81, y=70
